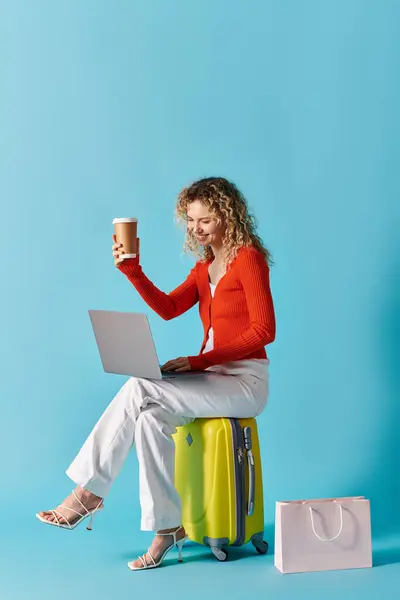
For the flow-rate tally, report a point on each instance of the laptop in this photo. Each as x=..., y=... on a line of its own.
x=126, y=345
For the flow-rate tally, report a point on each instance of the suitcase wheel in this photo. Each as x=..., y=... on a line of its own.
x=219, y=553
x=260, y=546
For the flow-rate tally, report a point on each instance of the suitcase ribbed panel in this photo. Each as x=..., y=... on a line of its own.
x=238, y=459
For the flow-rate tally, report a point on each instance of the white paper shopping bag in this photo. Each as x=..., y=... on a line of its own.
x=326, y=534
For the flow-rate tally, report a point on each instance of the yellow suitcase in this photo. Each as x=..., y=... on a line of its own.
x=219, y=479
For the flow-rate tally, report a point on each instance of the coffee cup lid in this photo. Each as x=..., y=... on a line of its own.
x=124, y=220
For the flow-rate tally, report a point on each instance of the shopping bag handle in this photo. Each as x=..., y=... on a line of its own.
x=313, y=526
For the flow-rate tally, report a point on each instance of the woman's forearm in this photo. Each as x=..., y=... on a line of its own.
x=167, y=306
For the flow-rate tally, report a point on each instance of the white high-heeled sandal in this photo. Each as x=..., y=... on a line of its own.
x=179, y=544
x=56, y=514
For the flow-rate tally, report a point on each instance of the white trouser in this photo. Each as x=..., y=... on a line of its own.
x=146, y=412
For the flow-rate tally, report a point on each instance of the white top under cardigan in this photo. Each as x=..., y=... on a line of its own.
x=210, y=340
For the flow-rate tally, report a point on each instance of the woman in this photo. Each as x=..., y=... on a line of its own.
x=231, y=284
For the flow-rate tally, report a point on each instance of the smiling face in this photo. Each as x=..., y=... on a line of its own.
x=203, y=225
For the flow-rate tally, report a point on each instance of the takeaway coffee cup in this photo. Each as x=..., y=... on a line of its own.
x=126, y=233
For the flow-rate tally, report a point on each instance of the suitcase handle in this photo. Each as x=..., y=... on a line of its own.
x=252, y=472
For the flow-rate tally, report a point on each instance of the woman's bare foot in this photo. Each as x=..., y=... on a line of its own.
x=160, y=543
x=89, y=500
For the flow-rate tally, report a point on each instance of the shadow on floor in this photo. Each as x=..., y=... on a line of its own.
x=201, y=553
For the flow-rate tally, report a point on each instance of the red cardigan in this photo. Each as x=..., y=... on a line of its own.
x=241, y=312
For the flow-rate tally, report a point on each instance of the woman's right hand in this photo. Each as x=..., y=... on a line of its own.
x=119, y=249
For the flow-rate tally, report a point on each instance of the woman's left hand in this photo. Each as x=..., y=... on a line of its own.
x=177, y=364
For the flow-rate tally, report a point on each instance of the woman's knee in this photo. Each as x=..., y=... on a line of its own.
x=133, y=388
x=129, y=396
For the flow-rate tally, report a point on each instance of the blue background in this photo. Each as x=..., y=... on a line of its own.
x=108, y=109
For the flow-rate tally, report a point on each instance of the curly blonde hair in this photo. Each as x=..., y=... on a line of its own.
x=227, y=205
